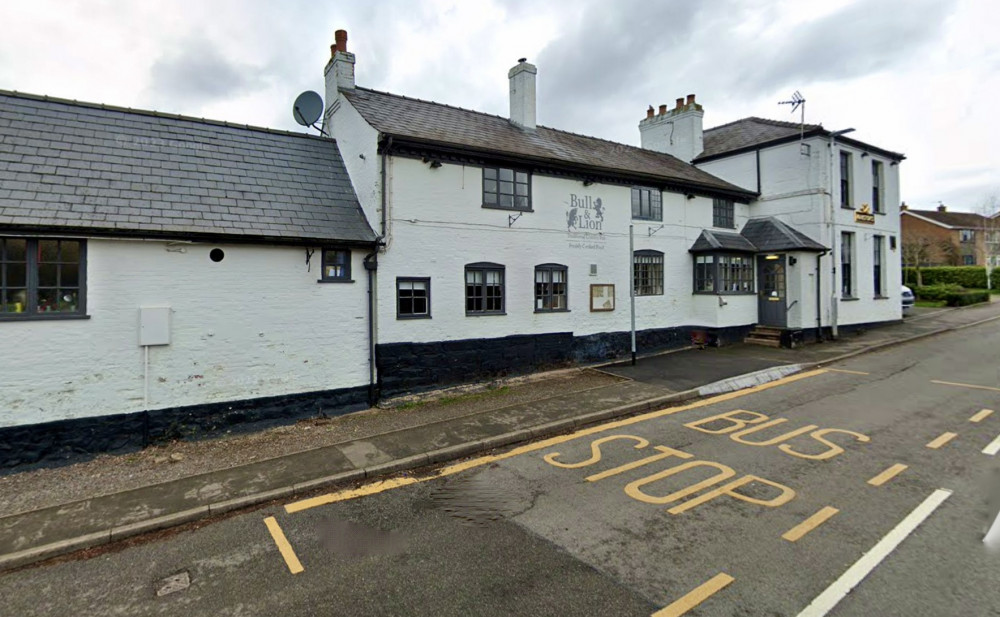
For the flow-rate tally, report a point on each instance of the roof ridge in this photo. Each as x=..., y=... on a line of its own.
x=541, y=126
x=156, y=114
x=780, y=123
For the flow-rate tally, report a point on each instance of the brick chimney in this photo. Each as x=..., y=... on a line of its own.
x=339, y=70
x=942, y=208
x=677, y=131
x=522, y=94
x=903, y=207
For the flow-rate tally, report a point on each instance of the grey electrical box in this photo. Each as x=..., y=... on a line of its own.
x=154, y=325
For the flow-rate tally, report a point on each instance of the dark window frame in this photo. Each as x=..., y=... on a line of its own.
x=718, y=268
x=345, y=277
x=427, y=297
x=846, y=168
x=846, y=265
x=653, y=204
x=878, y=187
x=550, y=294
x=485, y=268
x=645, y=281
x=878, y=265
x=32, y=265
x=499, y=194
x=723, y=213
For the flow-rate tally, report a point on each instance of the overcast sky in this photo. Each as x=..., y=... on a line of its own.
x=920, y=77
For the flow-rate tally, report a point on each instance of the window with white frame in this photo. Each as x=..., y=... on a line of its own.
x=648, y=279
x=878, y=195
x=846, y=264
x=484, y=289
x=966, y=235
x=845, y=180
x=550, y=288
x=878, y=268
x=42, y=278
x=413, y=297
x=646, y=204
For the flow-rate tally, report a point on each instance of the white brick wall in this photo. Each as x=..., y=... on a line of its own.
x=439, y=225
x=255, y=324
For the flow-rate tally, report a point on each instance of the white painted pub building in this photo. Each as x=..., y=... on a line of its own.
x=163, y=276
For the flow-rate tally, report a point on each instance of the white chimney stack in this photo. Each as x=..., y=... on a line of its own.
x=522, y=94
x=677, y=131
x=340, y=70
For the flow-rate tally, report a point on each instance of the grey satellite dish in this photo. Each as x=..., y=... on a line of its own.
x=307, y=109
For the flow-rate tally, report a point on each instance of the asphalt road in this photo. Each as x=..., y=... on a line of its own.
x=757, y=512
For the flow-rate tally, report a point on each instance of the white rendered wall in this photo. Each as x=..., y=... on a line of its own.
x=797, y=189
x=439, y=225
x=255, y=324
x=358, y=145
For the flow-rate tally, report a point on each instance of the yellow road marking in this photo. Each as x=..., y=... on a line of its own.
x=814, y=521
x=384, y=485
x=981, y=415
x=841, y=370
x=696, y=596
x=940, y=441
x=965, y=385
x=888, y=474
x=294, y=566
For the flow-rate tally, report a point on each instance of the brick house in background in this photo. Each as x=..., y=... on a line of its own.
x=942, y=238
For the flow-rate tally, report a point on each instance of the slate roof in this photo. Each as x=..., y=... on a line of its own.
x=438, y=124
x=105, y=170
x=770, y=234
x=748, y=133
x=957, y=220
x=711, y=240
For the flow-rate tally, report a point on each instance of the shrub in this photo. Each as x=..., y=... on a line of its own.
x=965, y=298
x=971, y=277
x=936, y=292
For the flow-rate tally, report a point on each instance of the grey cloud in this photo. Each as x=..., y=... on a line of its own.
x=615, y=62
x=197, y=73
x=858, y=40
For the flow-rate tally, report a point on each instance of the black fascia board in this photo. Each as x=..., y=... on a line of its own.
x=200, y=237
x=419, y=148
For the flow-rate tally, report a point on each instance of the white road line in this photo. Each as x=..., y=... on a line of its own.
x=993, y=448
x=992, y=537
x=850, y=579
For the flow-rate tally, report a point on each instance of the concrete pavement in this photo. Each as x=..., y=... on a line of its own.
x=655, y=382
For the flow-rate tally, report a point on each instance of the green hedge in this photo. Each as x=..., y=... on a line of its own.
x=965, y=298
x=967, y=276
x=936, y=292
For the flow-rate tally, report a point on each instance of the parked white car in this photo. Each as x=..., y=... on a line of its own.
x=908, y=300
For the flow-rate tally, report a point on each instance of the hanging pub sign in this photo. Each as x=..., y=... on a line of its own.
x=864, y=215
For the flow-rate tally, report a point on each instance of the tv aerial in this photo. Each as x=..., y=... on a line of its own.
x=798, y=102
x=307, y=109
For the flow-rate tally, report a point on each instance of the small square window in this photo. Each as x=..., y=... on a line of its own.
x=413, y=298
x=646, y=204
x=336, y=266
x=507, y=189
x=724, y=213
